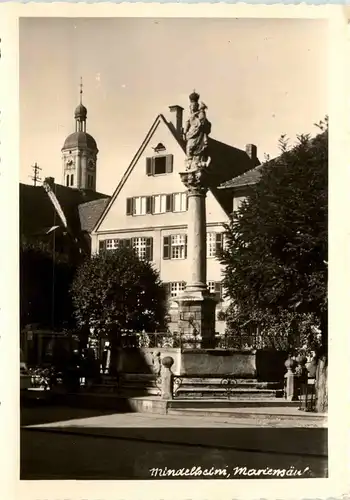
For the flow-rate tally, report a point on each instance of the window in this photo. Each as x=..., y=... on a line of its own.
x=175, y=246
x=71, y=179
x=159, y=147
x=67, y=180
x=156, y=204
x=162, y=203
x=143, y=247
x=179, y=202
x=139, y=205
x=214, y=244
x=215, y=287
x=176, y=287
x=157, y=165
x=112, y=244
x=90, y=181
x=159, y=204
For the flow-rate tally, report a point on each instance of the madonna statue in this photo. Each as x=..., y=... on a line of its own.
x=196, y=132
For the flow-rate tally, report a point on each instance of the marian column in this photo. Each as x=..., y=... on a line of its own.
x=196, y=304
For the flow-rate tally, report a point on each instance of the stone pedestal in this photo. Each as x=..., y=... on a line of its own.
x=197, y=319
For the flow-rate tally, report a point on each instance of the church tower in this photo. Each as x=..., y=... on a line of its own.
x=79, y=153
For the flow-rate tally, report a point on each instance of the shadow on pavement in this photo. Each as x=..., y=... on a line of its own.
x=39, y=412
x=149, y=453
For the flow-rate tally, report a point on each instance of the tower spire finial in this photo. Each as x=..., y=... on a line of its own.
x=81, y=90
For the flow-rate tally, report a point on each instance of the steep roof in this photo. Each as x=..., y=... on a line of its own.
x=90, y=212
x=246, y=179
x=37, y=214
x=227, y=162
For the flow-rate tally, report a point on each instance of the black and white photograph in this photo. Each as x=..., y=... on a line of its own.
x=173, y=248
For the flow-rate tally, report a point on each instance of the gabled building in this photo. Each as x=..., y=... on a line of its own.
x=40, y=220
x=148, y=210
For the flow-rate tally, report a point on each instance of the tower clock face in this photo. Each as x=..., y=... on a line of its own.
x=91, y=164
x=70, y=162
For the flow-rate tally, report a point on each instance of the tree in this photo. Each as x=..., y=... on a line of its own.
x=115, y=291
x=276, y=256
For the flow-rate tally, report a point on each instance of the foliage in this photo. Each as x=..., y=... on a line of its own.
x=115, y=291
x=275, y=263
x=263, y=329
x=45, y=280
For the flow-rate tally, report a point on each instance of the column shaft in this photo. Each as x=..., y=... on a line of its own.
x=197, y=240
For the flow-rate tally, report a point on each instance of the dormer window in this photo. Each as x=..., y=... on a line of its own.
x=160, y=147
x=158, y=165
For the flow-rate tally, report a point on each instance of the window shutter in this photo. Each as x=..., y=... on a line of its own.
x=125, y=242
x=186, y=246
x=173, y=204
x=218, y=243
x=149, y=205
x=217, y=287
x=167, y=289
x=102, y=245
x=166, y=247
x=169, y=203
x=129, y=206
x=169, y=164
x=149, y=248
x=149, y=166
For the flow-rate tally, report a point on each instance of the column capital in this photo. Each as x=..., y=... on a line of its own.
x=194, y=182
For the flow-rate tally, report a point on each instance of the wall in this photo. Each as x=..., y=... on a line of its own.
x=217, y=362
x=146, y=360
x=196, y=363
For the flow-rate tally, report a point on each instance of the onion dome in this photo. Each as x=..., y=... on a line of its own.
x=80, y=140
x=80, y=112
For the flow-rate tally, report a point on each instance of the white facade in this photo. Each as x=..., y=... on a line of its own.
x=149, y=211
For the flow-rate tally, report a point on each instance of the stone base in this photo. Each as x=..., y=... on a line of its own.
x=197, y=317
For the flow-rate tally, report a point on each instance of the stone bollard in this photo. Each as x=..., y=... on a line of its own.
x=291, y=382
x=167, y=378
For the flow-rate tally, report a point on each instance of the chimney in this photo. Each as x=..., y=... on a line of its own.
x=177, y=117
x=252, y=152
x=50, y=181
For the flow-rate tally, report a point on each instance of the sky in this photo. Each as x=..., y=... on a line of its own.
x=260, y=78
